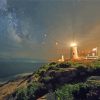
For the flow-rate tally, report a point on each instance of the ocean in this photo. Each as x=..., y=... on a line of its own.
x=9, y=70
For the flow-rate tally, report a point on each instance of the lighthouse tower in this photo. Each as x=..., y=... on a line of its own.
x=74, y=52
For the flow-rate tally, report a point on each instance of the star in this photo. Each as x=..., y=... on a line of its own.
x=45, y=35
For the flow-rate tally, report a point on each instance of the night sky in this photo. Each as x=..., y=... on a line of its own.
x=43, y=29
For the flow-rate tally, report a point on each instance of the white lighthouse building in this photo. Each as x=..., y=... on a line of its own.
x=74, y=52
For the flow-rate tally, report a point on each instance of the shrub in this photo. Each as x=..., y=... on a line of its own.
x=22, y=94
x=53, y=63
x=31, y=89
x=47, y=78
x=82, y=68
x=29, y=92
x=80, y=91
x=66, y=92
x=64, y=65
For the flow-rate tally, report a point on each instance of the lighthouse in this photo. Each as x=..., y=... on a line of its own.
x=74, y=52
